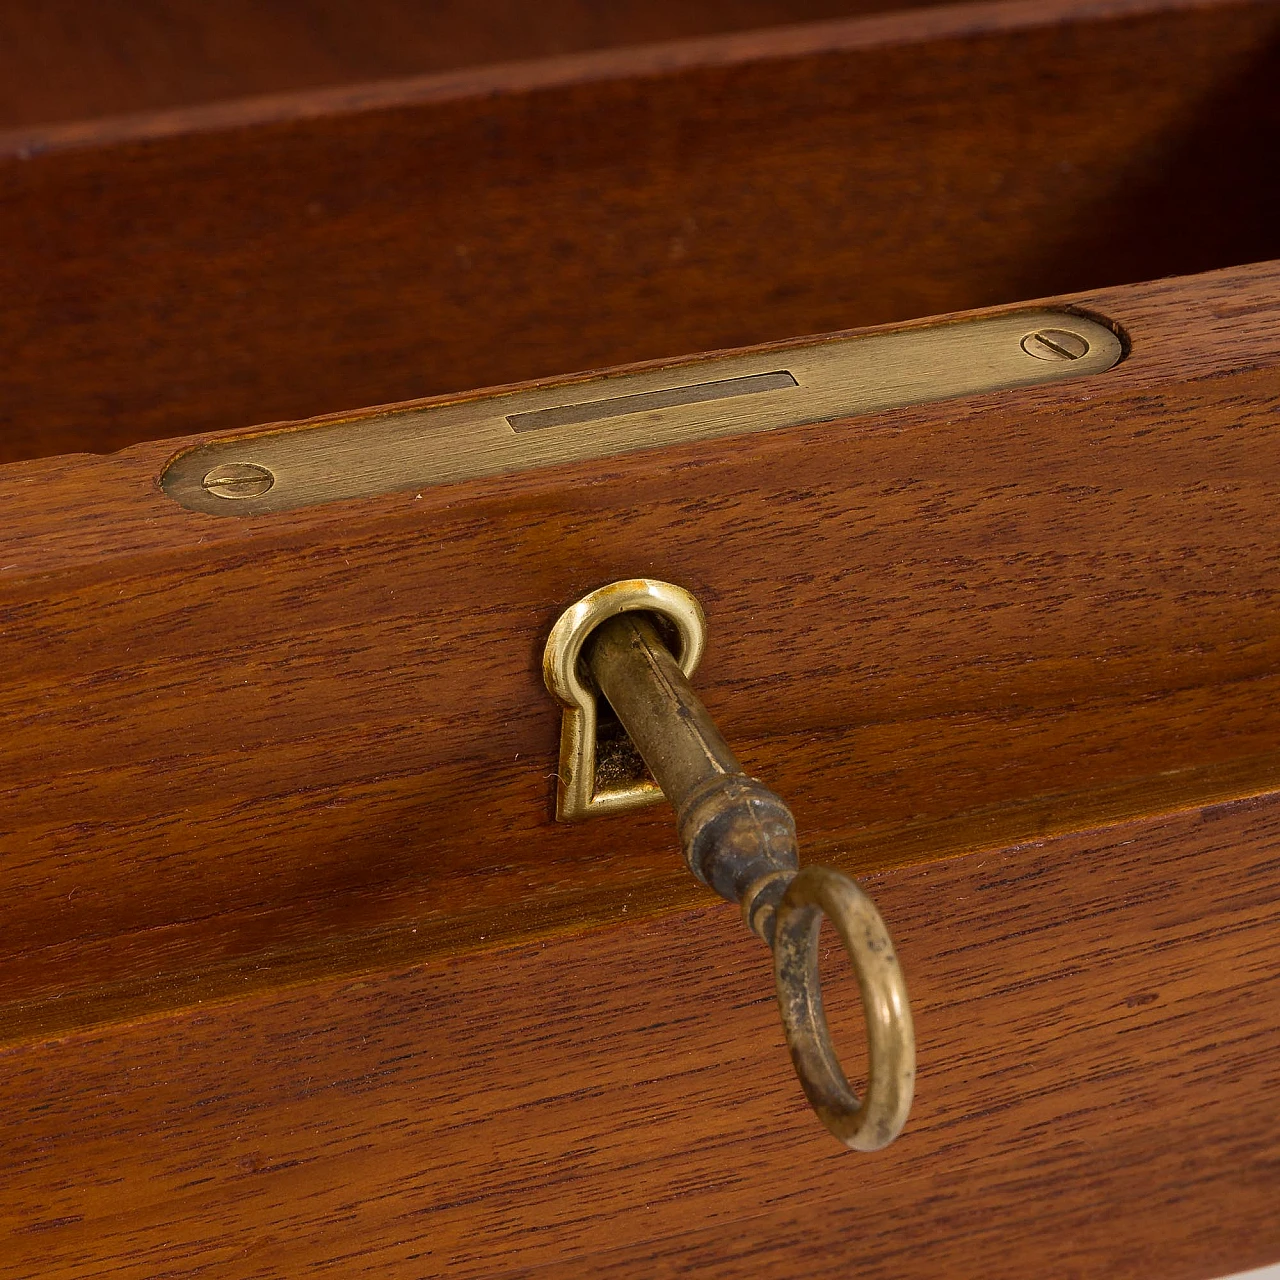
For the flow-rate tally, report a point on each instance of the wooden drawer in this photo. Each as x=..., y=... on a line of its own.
x=302, y=972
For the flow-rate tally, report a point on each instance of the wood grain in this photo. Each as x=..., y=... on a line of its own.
x=244, y=753
x=1098, y=1018
x=208, y=268
x=60, y=60
x=300, y=973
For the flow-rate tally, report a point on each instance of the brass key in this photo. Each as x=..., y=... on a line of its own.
x=738, y=837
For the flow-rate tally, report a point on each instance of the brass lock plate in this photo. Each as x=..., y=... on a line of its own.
x=578, y=419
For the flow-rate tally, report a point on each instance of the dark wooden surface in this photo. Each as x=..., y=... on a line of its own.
x=301, y=976
x=213, y=267
x=63, y=60
x=1099, y=1024
x=245, y=752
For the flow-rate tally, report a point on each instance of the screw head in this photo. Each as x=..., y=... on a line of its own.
x=1055, y=344
x=238, y=480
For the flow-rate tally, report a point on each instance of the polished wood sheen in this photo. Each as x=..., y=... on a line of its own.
x=1098, y=1024
x=63, y=60
x=213, y=267
x=301, y=975
x=244, y=752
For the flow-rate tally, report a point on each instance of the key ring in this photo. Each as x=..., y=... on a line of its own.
x=891, y=1046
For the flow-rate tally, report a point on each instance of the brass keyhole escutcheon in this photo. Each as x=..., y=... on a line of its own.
x=582, y=790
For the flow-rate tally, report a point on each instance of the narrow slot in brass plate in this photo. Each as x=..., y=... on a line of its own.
x=672, y=398
x=574, y=420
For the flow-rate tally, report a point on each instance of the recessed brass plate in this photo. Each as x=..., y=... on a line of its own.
x=382, y=451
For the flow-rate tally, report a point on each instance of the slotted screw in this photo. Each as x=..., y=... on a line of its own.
x=1055, y=344
x=238, y=480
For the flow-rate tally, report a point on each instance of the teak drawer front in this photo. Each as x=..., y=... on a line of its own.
x=302, y=971
x=247, y=751
x=1098, y=1066
x=207, y=268
x=302, y=974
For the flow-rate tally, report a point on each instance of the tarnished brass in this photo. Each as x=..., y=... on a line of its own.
x=585, y=788
x=598, y=416
x=891, y=1043
x=739, y=838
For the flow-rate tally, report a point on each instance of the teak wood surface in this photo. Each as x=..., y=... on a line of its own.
x=216, y=266
x=247, y=751
x=301, y=975
x=1098, y=1070
x=65, y=61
